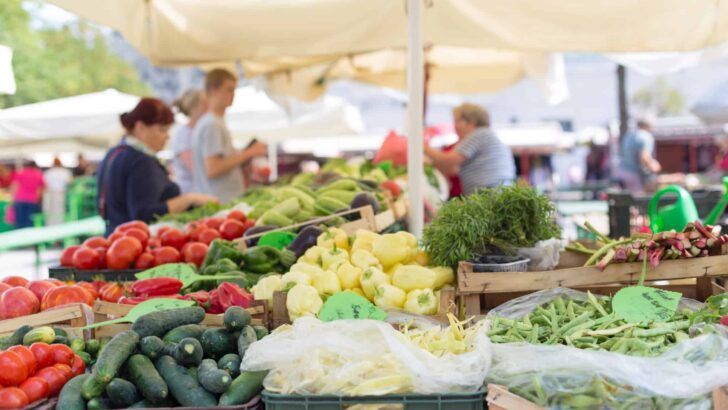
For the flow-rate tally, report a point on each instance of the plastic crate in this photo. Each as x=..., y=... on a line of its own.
x=455, y=401
x=109, y=275
x=499, y=263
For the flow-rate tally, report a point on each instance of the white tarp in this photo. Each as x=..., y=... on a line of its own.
x=7, y=79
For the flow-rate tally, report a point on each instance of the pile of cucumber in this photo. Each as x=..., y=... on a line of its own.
x=168, y=359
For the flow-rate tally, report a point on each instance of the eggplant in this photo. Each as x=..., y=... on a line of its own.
x=256, y=230
x=364, y=199
x=305, y=239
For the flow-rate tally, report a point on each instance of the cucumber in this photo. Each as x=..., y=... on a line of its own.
x=70, y=397
x=92, y=346
x=260, y=332
x=181, y=332
x=230, y=363
x=213, y=379
x=78, y=345
x=103, y=342
x=184, y=388
x=98, y=403
x=162, y=321
x=16, y=338
x=114, y=354
x=122, y=393
x=187, y=352
x=93, y=386
x=247, y=337
x=41, y=334
x=236, y=318
x=193, y=372
x=61, y=340
x=87, y=359
x=145, y=377
x=152, y=347
x=243, y=388
x=217, y=342
x=60, y=331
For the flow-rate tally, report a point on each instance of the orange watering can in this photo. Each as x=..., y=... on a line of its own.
x=677, y=215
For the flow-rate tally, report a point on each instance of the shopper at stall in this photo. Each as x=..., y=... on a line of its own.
x=217, y=166
x=479, y=157
x=82, y=167
x=193, y=104
x=57, y=179
x=132, y=183
x=27, y=191
x=638, y=167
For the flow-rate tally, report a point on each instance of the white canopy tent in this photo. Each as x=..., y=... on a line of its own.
x=7, y=79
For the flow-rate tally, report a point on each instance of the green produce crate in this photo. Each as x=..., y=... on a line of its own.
x=461, y=401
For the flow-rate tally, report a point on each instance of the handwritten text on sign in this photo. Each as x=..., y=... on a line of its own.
x=349, y=305
x=638, y=304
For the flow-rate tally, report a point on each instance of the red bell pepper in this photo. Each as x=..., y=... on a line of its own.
x=233, y=295
x=724, y=320
x=201, y=297
x=213, y=305
x=156, y=286
x=125, y=300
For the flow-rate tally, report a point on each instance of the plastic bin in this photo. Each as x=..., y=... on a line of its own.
x=500, y=263
x=458, y=401
x=109, y=275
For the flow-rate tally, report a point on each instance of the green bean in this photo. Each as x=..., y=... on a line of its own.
x=570, y=310
x=579, y=320
x=595, y=303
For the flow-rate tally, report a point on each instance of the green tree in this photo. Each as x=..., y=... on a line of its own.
x=59, y=62
x=660, y=98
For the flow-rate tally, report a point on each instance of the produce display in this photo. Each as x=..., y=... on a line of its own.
x=389, y=270
x=20, y=297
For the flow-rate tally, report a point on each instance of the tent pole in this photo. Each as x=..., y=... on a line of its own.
x=415, y=106
x=273, y=160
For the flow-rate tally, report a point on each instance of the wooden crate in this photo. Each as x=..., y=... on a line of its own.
x=70, y=318
x=105, y=311
x=481, y=291
x=280, y=311
x=499, y=398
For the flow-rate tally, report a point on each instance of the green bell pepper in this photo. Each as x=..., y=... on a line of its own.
x=221, y=249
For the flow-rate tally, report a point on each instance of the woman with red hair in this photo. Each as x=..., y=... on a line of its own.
x=132, y=183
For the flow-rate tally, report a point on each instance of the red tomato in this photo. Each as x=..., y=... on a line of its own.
x=162, y=230
x=96, y=242
x=90, y=288
x=194, y=252
x=174, y=237
x=392, y=187
x=55, y=379
x=115, y=237
x=43, y=354
x=86, y=258
x=209, y=235
x=40, y=287
x=66, y=295
x=66, y=369
x=79, y=367
x=154, y=243
x=166, y=254
x=13, y=398
x=35, y=388
x=111, y=292
x=62, y=354
x=56, y=281
x=31, y=364
x=102, y=257
x=249, y=224
x=4, y=287
x=67, y=256
x=143, y=236
x=194, y=233
x=144, y=261
x=232, y=229
x=13, y=368
x=123, y=253
x=16, y=302
x=15, y=281
x=213, y=223
x=132, y=224
x=237, y=214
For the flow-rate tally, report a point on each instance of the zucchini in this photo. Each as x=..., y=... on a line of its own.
x=260, y=332
x=41, y=334
x=93, y=386
x=236, y=318
x=98, y=403
x=217, y=342
x=70, y=397
x=114, y=354
x=162, y=321
x=187, y=352
x=247, y=337
x=213, y=379
x=122, y=393
x=243, y=388
x=92, y=346
x=181, y=332
x=59, y=331
x=152, y=347
x=16, y=338
x=230, y=363
x=61, y=340
x=184, y=388
x=145, y=377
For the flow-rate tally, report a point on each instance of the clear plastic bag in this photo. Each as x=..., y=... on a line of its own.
x=357, y=357
x=544, y=255
x=560, y=376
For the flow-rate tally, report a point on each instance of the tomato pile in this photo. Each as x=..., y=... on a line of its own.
x=131, y=246
x=36, y=372
x=20, y=297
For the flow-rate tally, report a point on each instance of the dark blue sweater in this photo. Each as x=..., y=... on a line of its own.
x=132, y=185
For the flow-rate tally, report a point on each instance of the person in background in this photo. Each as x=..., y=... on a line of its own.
x=217, y=166
x=27, y=191
x=638, y=167
x=56, y=179
x=6, y=176
x=132, y=183
x=456, y=186
x=193, y=104
x=82, y=167
x=479, y=157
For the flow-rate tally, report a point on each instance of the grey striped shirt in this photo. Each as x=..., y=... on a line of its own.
x=489, y=162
